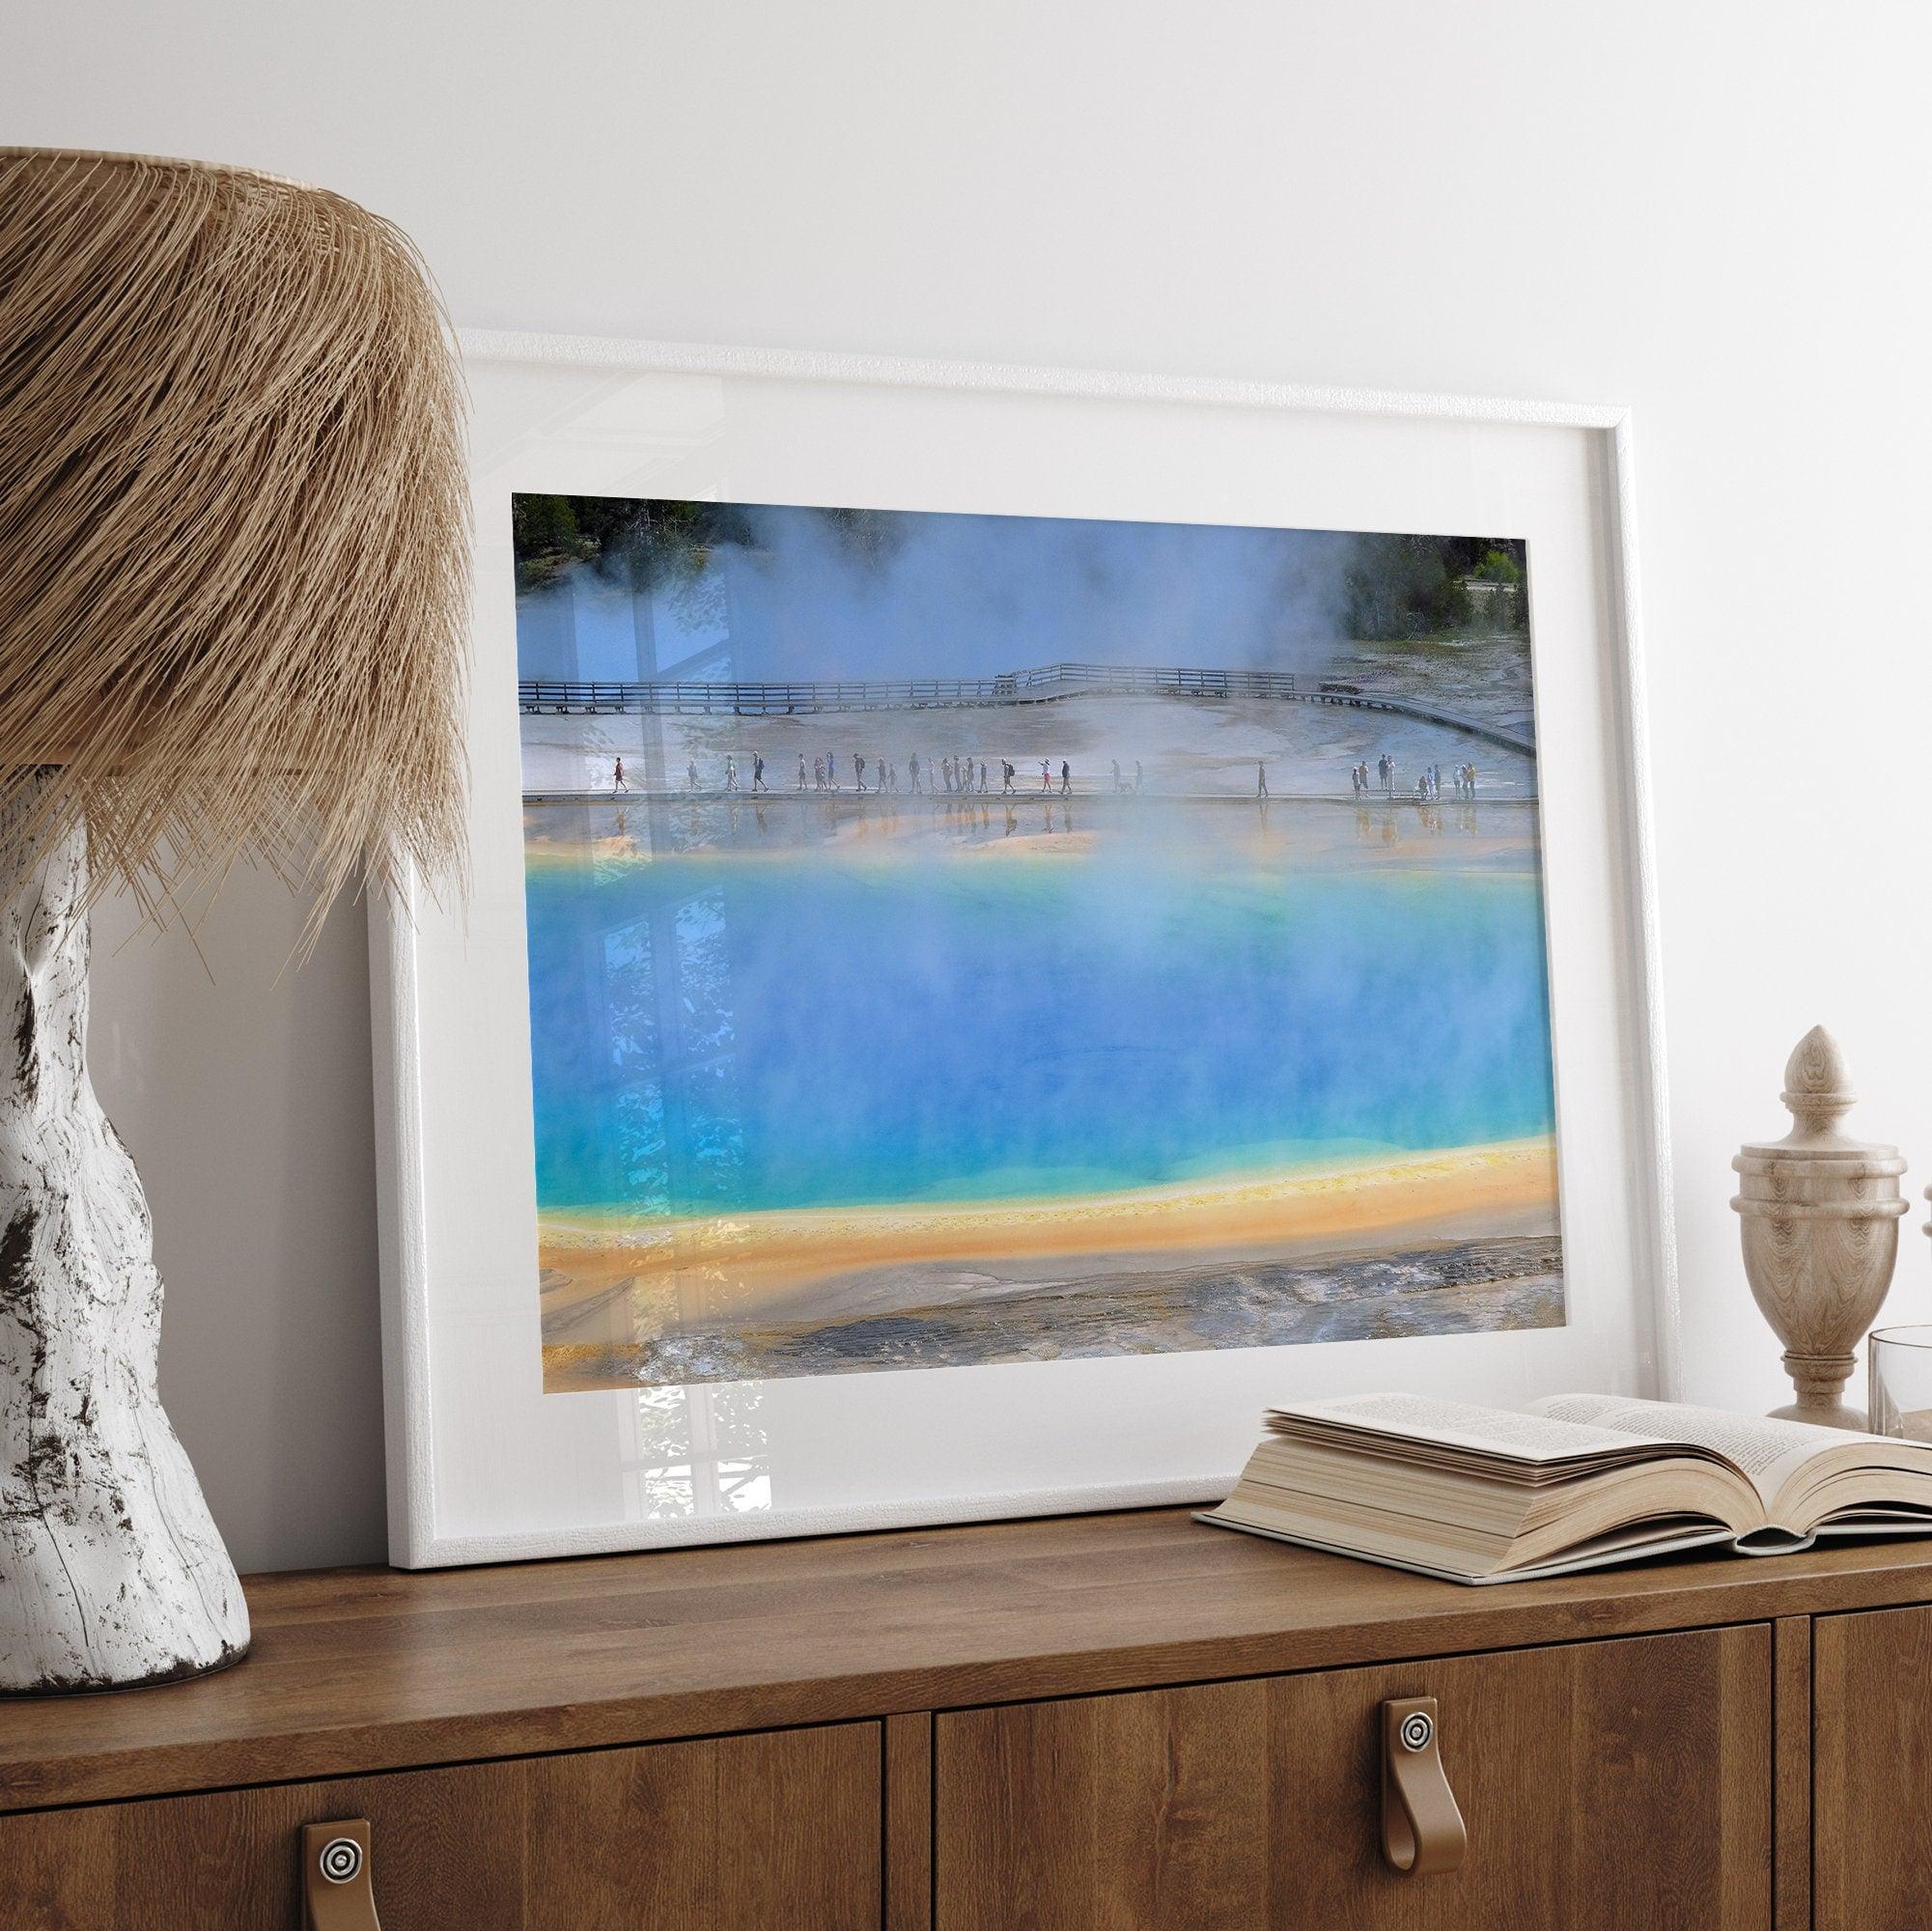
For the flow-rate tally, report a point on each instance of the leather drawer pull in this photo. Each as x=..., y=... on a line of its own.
x=1422, y=1830
x=336, y=1892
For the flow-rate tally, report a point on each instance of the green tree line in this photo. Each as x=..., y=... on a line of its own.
x=1416, y=586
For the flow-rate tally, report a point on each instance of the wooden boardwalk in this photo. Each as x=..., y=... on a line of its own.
x=903, y=799
x=1046, y=684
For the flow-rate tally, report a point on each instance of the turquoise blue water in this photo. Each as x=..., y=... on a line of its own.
x=783, y=1026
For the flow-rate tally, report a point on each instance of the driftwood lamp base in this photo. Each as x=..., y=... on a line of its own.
x=111, y=1570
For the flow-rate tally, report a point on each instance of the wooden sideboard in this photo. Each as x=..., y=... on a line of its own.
x=1115, y=1720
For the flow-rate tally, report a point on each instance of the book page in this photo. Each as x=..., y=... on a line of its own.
x=1495, y=1431
x=1766, y=1452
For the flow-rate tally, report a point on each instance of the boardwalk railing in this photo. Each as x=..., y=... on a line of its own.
x=1043, y=685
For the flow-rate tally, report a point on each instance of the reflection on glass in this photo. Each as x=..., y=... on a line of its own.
x=697, y=1452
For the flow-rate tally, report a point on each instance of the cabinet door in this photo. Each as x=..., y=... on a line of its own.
x=750, y=1832
x=1620, y=1784
x=1871, y=1787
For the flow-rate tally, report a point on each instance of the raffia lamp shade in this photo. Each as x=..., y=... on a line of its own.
x=233, y=518
x=234, y=582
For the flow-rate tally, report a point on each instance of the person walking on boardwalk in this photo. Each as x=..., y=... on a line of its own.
x=1117, y=784
x=730, y=774
x=1066, y=780
x=1045, y=774
x=1473, y=780
x=617, y=779
x=758, y=772
x=801, y=770
x=831, y=771
x=691, y=773
x=1139, y=777
x=1006, y=777
x=982, y=778
x=858, y=772
x=912, y=770
x=1260, y=778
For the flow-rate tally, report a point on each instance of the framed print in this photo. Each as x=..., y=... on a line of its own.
x=1018, y=919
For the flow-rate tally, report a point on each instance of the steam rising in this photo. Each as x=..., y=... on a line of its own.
x=818, y=594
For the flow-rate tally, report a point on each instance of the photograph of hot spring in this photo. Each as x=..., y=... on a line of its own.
x=973, y=939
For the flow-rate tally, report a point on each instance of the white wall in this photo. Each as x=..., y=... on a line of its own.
x=1714, y=211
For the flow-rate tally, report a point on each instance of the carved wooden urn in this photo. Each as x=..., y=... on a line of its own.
x=1820, y=1213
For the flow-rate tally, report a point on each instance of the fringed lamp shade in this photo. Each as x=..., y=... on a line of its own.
x=233, y=587
x=233, y=521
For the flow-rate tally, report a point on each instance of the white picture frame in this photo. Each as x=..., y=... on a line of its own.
x=483, y=1465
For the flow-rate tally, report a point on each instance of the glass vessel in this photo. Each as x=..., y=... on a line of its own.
x=1901, y=1381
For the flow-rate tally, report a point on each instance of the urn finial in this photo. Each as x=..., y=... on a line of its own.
x=1820, y=1213
x=1817, y=1087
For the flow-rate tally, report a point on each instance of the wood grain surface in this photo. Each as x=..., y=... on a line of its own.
x=355, y=1672
x=1791, y=1787
x=758, y=1834
x=1615, y=1786
x=908, y=1822
x=1873, y=1772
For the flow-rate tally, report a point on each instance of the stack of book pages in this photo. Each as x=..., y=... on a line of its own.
x=1490, y=1495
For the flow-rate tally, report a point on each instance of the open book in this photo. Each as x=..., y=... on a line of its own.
x=1487, y=1495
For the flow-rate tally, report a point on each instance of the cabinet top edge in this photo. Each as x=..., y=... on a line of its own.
x=370, y=1669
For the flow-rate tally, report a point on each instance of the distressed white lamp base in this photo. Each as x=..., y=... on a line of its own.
x=111, y=1570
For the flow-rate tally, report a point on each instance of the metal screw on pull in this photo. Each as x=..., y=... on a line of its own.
x=1416, y=1731
x=341, y=1859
